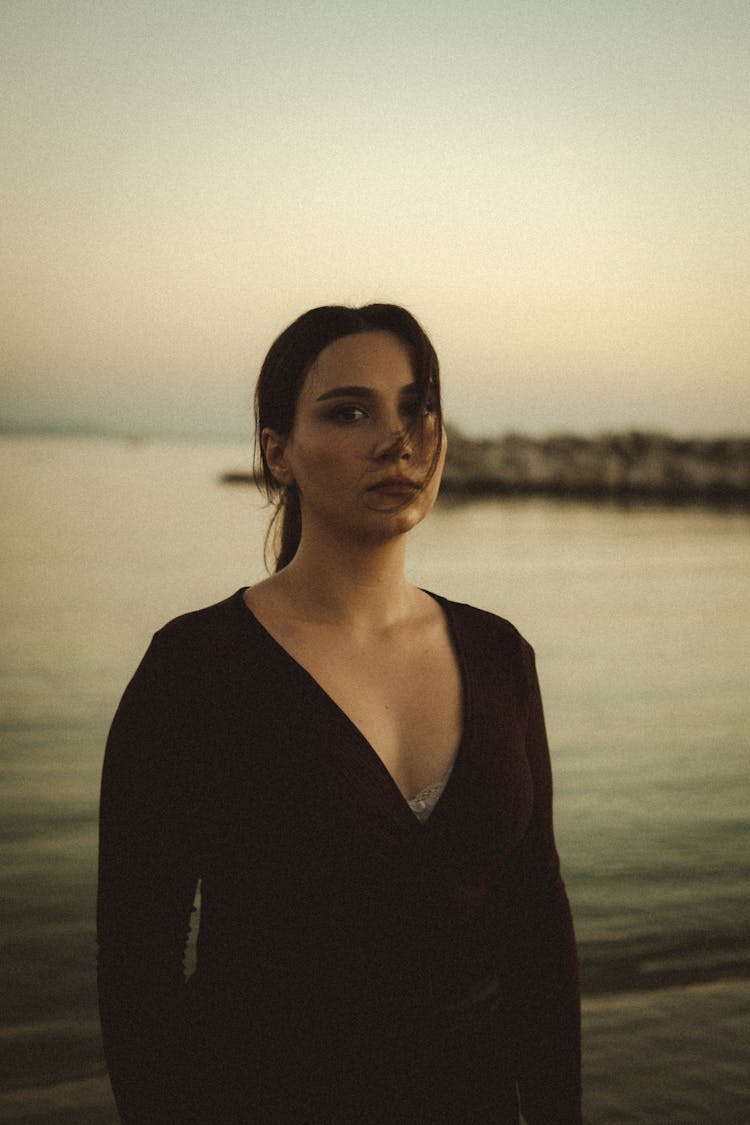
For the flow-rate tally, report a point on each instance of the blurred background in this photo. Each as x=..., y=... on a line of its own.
x=558, y=190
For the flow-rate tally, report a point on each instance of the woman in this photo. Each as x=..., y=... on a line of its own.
x=357, y=773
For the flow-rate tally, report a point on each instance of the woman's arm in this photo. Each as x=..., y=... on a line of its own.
x=148, y=871
x=542, y=972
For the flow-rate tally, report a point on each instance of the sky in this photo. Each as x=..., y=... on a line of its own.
x=559, y=191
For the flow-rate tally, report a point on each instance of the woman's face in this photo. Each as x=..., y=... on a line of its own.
x=359, y=461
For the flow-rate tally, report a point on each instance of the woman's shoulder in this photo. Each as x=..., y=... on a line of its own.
x=489, y=646
x=206, y=620
x=200, y=634
x=474, y=618
x=205, y=651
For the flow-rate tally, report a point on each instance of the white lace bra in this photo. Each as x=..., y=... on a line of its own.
x=425, y=800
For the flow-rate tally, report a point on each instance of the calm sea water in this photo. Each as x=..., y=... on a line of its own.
x=640, y=618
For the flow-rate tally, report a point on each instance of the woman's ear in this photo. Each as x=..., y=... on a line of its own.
x=274, y=451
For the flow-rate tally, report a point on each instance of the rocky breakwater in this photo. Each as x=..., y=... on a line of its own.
x=623, y=466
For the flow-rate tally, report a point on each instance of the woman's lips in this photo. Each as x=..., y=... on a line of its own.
x=395, y=486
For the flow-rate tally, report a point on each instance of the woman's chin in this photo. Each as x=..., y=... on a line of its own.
x=391, y=522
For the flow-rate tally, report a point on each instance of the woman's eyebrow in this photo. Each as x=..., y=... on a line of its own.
x=361, y=392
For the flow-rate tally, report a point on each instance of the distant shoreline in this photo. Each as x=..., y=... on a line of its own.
x=620, y=466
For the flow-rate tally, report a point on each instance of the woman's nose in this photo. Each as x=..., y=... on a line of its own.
x=394, y=440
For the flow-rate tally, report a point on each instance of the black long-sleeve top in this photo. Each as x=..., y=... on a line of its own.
x=354, y=964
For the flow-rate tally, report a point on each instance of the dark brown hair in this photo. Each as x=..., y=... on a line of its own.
x=280, y=381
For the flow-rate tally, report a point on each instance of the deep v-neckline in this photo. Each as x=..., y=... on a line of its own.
x=376, y=763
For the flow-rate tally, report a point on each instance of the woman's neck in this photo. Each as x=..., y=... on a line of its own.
x=362, y=586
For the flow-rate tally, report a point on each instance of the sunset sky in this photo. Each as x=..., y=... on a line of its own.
x=559, y=191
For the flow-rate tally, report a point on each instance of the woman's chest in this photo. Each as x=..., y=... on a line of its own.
x=292, y=778
x=408, y=706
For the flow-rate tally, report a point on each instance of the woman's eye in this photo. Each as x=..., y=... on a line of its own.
x=416, y=408
x=347, y=413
